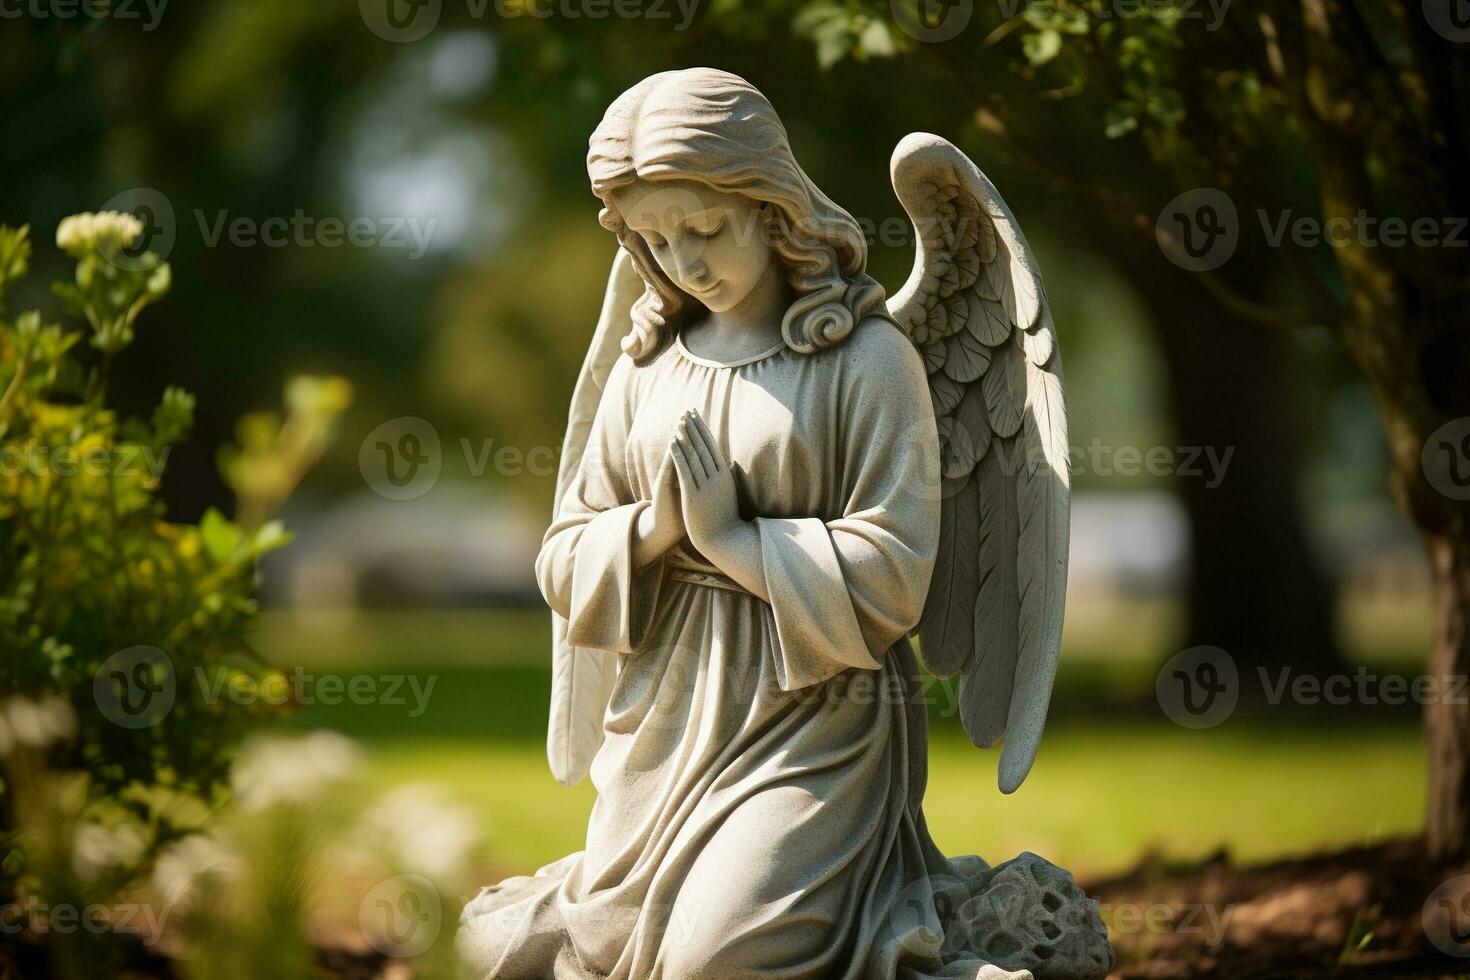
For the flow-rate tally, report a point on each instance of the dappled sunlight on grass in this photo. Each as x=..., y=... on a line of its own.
x=1109, y=786
x=1099, y=798
x=1102, y=794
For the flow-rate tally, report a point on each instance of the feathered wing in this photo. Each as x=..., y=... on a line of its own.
x=975, y=308
x=581, y=679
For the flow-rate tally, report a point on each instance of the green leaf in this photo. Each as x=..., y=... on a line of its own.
x=1167, y=107
x=1068, y=18
x=174, y=416
x=15, y=253
x=830, y=28
x=1041, y=47
x=161, y=280
x=812, y=15
x=1120, y=119
x=220, y=536
x=270, y=536
x=876, y=41
x=28, y=325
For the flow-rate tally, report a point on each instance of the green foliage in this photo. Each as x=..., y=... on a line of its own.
x=841, y=31
x=90, y=568
x=1125, y=53
x=305, y=859
x=112, y=285
x=1134, y=60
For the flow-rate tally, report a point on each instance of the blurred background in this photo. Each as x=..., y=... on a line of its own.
x=1230, y=478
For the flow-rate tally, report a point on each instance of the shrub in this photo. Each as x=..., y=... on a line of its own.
x=111, y=616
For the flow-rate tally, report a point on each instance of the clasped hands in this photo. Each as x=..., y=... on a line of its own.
x=694, y=497
x=693, y=494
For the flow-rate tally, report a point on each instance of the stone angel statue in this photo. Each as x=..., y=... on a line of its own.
x=772, y=477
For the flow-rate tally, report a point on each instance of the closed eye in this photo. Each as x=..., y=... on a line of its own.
x=711, y=232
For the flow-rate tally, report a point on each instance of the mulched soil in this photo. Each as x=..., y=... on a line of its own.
x=1370, y=912
x=1360, y=913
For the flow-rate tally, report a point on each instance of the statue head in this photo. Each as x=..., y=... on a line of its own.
x=698, y=182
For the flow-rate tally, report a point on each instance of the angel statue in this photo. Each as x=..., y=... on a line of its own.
x=772, y=477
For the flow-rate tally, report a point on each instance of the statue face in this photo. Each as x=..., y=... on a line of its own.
x=711, y=244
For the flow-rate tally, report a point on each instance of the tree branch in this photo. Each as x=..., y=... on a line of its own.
x=1130, y=214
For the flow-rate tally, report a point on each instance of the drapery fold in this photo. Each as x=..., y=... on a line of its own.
x=758, y=786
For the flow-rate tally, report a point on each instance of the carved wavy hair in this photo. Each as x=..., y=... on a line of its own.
x=714, y=128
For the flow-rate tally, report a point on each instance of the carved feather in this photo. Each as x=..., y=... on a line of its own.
x=946, y=394
x=1039, y=342
x=946, y=630
x=985, y=692
x=934, y=355
x=1005, y=389
x=975, y=305
x=965, y=357
x=989, y=321
x=1044, y=505
x=968, y=435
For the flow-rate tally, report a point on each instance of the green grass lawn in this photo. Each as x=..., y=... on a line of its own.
x=1097, y=800
x=1105, y=789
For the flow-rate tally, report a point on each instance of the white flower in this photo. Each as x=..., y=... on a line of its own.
x=106, y=231
x=97, y=847
x=421, y=832
x=287, y=769
x=58, y=717
x=27, y=722
x=74, y=233
x=35, y=723
x=186, y=861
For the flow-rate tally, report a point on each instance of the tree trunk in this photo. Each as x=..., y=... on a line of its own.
x=1410, y=340
x=1254, y=587
x=1447, y=723
x=1418, y=364
x=1405, y=322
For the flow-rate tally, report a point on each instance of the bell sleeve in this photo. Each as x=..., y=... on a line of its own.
x=843, y=591
x=585, y=567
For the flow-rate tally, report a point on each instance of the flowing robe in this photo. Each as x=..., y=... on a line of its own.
x=759, y=785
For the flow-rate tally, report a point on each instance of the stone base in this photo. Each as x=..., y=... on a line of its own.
x=1028, y=914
